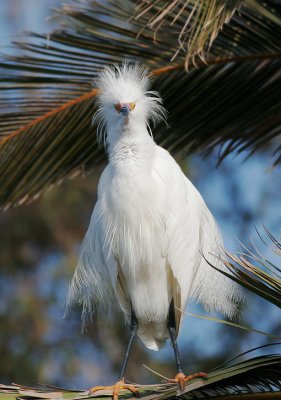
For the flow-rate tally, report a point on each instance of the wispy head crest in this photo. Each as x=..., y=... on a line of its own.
x=128, y=82
x=118, y=82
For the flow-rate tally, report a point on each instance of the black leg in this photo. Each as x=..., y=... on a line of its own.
x=133, y=331
x=172, y=332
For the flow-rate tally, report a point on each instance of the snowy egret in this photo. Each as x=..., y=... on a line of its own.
x=149, y=227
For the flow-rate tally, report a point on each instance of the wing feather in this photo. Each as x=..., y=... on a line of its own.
x=94, y=281
x=191, y=233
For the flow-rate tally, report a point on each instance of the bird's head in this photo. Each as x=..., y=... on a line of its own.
x=124, y=98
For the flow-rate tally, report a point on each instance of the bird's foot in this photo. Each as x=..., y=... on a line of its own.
x=119, y=385
x=181, y=378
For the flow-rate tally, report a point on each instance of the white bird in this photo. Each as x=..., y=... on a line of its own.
x=149, y=228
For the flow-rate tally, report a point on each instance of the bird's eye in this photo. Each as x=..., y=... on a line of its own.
x=118, y=107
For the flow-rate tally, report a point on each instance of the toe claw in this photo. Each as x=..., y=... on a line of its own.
x=181, y=378
x=196, y=375
x=119, y=385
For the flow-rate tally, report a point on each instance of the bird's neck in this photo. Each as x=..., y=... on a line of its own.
x=129, y=144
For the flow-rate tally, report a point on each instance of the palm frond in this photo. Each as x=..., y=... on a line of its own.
x=255, y=272
x=198, y=22
x=47, y=102
x=259, y=374
x=252, y=377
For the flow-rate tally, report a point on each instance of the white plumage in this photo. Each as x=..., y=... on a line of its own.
x=150, y=226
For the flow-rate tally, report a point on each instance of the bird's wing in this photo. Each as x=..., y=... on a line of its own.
x=214, y=290
x=192, y=231
x=182, y=220
x=94, y=281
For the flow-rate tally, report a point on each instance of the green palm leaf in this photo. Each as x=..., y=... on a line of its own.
x=47, y=103
x=255, y=272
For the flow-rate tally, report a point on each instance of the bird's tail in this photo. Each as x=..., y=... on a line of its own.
x=214, y=290
x=153, y=334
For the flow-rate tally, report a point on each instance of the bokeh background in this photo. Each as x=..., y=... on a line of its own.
x=39, y=245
